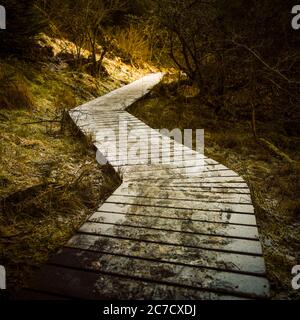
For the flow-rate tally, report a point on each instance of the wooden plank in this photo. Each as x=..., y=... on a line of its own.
x=138, y=135
x=183, y=173
x=108, y=115
x=185, y=164
x=203, y=190
x=143, y=141
x=111, y=119
x=202, y=258
x=195, y=180
x=151, y=149
x=195, y=205
x=183, y=214
x=177, y=156
x=166, y=273
x=196, y=185
x=153, y=191
x=167, y=159
x=212, y=242
x=162, y=168
x=194, y=190
x=67, y=282
x=132, y=129
x=186, y=226
x=99, y=286
x=158, y=193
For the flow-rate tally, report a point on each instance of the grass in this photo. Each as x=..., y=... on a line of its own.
x=14, y=90
x=274, y=183
x=50, y=182
x=133, y=44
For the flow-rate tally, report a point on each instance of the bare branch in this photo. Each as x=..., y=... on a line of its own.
x=274, y=70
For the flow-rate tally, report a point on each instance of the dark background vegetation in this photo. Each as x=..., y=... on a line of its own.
x=235, y=68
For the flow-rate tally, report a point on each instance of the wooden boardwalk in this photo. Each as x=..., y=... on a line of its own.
x=170, y=231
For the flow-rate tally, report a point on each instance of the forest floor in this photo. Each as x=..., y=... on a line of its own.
x=49, y=178
x=274, y=184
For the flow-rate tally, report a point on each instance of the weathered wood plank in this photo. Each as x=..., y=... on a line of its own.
x=166, y=203
x=99, y=286
x=234, y=262
x=194, y=190
x=213, y=242
x=166, y=273
x=198, y=184
x=185, y=173
x=158, y=192
x=193, y=180
x=194, y=227
x=167, y=157
x=183, y=214
x=162, y=168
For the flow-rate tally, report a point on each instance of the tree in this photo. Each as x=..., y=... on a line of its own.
x=225, y=45
x=84, y=23
x=183, y=21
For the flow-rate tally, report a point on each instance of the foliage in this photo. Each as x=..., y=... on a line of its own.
x=226, y=47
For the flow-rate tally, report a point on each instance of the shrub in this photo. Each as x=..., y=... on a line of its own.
x=133, y=44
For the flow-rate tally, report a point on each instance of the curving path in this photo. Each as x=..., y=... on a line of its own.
x=170, y=231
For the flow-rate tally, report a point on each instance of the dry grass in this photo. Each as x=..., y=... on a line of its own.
x=275, y=184
x=14, y=90
x=133, y=44
x=50, y=182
